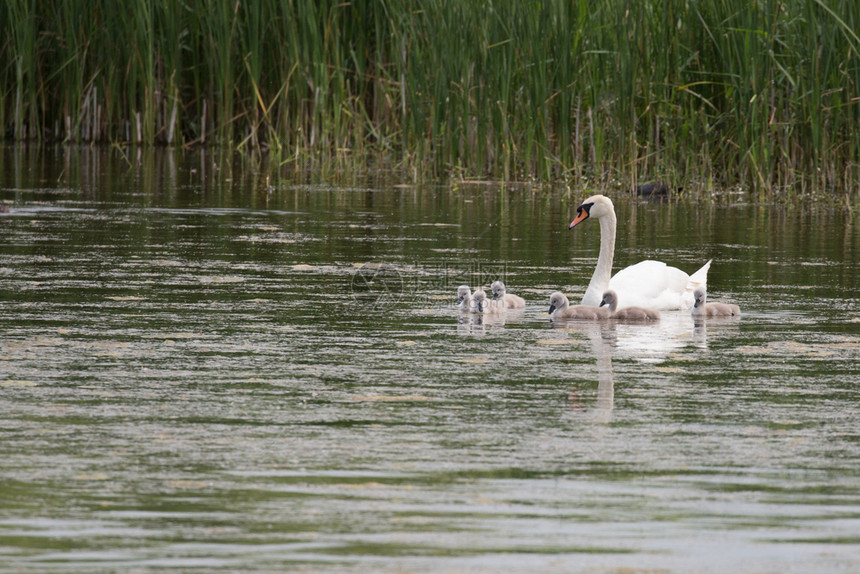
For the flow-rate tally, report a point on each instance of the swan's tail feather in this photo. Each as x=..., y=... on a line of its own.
x=697, y=279
x=700, y=277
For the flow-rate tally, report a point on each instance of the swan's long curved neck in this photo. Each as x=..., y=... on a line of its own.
x=603, y=272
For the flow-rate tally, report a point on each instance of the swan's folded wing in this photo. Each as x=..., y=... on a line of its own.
x=651, y=284
x=648, y=280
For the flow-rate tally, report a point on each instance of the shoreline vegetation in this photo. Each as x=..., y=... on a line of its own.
x=705, y=96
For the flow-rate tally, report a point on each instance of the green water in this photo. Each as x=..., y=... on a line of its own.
x=208, y=372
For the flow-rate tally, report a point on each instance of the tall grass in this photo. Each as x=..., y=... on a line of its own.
x=725, y=93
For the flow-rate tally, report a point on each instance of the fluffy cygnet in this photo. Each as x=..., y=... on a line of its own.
x=559, y=308
x=480, y=304
x=501, y=294
x=701, y=307
x=464, y=298
x=610, y=299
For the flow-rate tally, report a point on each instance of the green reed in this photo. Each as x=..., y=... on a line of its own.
x=765, y=96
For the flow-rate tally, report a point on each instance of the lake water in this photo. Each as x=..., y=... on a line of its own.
x=205, y=371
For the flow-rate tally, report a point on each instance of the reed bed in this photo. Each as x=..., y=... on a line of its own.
x=762, y=96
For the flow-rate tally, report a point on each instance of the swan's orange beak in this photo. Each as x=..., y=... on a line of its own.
x=581, y=215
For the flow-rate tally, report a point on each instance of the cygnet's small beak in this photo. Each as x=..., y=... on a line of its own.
x=551, y=309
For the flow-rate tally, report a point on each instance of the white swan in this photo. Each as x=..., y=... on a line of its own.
x=651, y=284
x=702, y=308
x=464, y=298
x=610, y=298
x=560, y=308
x=482, y=305
x=501, y=294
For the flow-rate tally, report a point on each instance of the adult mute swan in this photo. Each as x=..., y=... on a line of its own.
x=651, y=284
x=501, y=294
x=701, y=308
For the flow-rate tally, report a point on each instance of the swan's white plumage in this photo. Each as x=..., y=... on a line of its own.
x=651, y=284
x=655, y=285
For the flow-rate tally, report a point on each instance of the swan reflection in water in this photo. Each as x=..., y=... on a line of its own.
x=601, y=336
x=717, y=326
x=475, y=324
x=647, y=343
x=472, y=324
